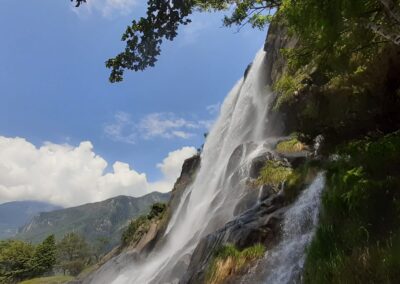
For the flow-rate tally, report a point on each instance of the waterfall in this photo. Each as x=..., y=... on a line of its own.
x=284, y=264
x=209, y=202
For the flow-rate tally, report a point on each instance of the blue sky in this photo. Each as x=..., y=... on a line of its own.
x=54, y=85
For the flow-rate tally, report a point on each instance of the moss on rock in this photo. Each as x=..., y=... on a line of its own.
x=291, y=145
x=345, y=106
x=274, y=173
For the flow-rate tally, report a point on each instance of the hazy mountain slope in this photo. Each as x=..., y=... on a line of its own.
x=101, y=219
x=16, y=214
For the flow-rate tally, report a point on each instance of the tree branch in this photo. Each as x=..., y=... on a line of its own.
x=394, y=38
x=391, y=9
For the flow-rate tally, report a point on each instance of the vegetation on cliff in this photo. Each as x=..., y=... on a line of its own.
x=228, y=261
x=140, y=226
x=292, y=145
x=341, y=78
x=274, y=173
x=358, y=239
x=332, y=33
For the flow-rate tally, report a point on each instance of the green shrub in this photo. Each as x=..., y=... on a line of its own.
x=228, y=260
x=291, y=145
x=157, y=210
x=15, y=261
x=358, y=239
x=274, y=173
x=140, y=226
x=300, y=177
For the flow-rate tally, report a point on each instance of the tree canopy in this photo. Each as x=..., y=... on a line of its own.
x=143, y=38
x=20, y=260
x=327, y=29
x=44, y=257
x=73, y=253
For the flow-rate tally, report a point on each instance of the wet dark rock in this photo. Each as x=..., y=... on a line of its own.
x=236, y=156
x=188, y=174
x=260, y=224
x=295, y=159
x=258, y=163
x=318, y=78
x=246, y=72
x=254, y=193
x=277, y=39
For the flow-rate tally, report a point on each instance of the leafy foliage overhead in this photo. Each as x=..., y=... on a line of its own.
x=163, y=18
x=328, y=29
x=78, y=2
x=333, y=33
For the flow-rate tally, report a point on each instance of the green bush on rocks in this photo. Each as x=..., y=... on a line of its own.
x=358, y=239
x=228, y=260
x=140, y=226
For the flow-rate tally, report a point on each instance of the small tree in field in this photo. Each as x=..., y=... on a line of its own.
x=44, y=257
x=73, y=253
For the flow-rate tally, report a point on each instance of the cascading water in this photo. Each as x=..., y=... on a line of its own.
x=284, y=263
x=209, y=202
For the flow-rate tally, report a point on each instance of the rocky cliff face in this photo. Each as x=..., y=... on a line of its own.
x=277, y=39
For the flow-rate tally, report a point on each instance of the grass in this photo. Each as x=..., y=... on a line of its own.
x=299, y=179
x=358, y=239
x=228, y=260
x=291, y=145
x=49, y=280
x=274, y=173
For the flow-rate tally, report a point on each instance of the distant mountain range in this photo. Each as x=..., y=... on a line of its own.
x=105, y=219
x=16, y=214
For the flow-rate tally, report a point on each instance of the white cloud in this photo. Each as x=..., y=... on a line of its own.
x=166, y=125
x=122, y=129
x=67, y=175
x=151, y=126
x=107, y=8
x=171, y=167
x=214, y=109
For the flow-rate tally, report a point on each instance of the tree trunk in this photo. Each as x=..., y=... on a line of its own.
x=395, y=38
